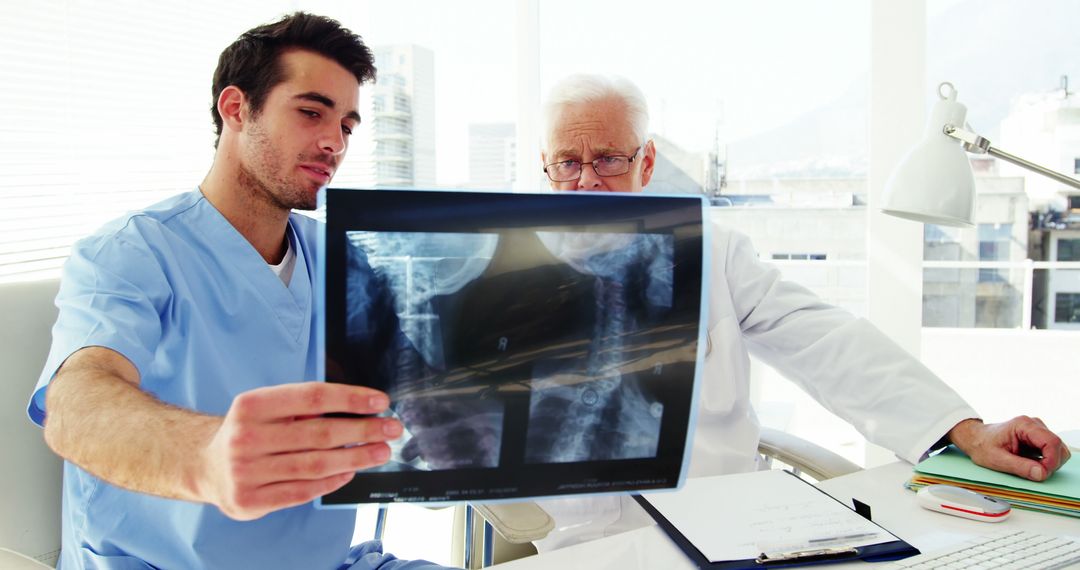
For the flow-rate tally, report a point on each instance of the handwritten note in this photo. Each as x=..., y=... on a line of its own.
x=735, y=517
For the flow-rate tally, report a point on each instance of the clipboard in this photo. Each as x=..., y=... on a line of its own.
x=764, y=489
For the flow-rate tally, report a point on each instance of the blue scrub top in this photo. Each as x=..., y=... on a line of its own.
x=190, y=302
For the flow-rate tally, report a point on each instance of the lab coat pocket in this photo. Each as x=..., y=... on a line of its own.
x=725, y=370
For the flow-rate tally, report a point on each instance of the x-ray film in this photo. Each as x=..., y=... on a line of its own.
x=531, y=344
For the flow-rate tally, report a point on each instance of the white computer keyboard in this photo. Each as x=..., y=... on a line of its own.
x=1002, y=549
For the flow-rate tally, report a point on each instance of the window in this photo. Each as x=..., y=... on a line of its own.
x=800, y=256
x=792, y=121
x=1068, y=249
x=994, y=241
x=788, y=147
x=994, y=246
x=968, y=296
x=69, y=87
x=796, y=182
x=441, y=70
x=1011, y=87
x=432, y=55
x=943, y=304
x=104, y=109
x=941, y=243
x=1076, y=166
x=1067, y=308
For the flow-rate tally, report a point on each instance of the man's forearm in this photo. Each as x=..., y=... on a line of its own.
x=275, y=447
x=110, y=427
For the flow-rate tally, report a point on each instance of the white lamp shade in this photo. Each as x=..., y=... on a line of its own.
x=934, y=183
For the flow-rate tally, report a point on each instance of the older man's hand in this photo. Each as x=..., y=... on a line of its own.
x=1022, y=446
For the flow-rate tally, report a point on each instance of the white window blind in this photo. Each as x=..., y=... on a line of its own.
x=104, y=108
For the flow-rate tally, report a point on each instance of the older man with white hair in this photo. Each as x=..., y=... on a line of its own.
x=596, y=139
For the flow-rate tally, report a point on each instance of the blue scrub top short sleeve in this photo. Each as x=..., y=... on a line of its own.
x=110, y=296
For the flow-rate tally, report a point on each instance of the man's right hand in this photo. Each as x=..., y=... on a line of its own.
x=274, y=449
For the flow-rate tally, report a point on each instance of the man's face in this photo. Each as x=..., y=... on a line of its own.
x=293, y=146
x=584, y=132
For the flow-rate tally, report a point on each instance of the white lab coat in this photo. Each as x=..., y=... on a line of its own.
x=844, y=362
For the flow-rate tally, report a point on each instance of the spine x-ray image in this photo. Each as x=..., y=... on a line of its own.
x=513, y=345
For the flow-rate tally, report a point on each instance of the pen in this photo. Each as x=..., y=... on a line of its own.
x=844, y=537
x=1029, y=452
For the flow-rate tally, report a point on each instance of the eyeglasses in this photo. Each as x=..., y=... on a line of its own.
x=567, y=170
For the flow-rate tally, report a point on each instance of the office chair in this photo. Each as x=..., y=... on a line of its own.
x=11, y=560
x=489, y=534
x=802, y=456
x=30, y=480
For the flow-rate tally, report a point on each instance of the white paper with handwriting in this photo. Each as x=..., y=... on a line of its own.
x=736, y=517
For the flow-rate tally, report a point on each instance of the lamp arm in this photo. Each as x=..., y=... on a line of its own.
x=976, y=144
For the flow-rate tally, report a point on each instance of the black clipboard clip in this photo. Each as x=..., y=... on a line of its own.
x=803, y=556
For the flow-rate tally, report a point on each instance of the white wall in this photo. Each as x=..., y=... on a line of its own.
x=1004, y=373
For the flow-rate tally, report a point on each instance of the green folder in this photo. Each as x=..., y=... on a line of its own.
x=1060, y=493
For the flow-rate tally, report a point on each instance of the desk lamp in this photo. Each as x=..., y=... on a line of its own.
x=934, y=183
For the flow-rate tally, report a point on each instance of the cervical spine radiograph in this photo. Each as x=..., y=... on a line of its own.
x=545, y=337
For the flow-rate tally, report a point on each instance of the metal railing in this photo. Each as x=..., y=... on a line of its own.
x=1026, y=288
x=1028, y=266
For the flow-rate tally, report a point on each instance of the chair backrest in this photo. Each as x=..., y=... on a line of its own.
x=30, y=474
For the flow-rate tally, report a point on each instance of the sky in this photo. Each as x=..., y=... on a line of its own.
x=748, y=66
x=726, y=69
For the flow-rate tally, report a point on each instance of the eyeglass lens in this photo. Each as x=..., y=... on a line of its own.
x=604, y=166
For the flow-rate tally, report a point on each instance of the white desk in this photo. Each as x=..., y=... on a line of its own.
x=882, y=488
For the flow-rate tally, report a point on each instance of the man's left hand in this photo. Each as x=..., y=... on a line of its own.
x=1022, y=446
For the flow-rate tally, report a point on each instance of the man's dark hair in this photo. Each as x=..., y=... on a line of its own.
x=253, y=61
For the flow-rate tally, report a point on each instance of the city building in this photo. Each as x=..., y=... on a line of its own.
x=824, y=220
x=813, y=228
x=979, y=297
x=1055, y=237
x=677, y=170
x=397, y=144
x=1047, y=127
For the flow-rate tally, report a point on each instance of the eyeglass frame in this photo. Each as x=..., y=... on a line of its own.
x=630, y=158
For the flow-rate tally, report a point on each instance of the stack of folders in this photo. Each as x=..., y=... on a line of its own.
x=1059, y=494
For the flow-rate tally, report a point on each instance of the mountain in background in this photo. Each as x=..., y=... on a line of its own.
x=991, y=50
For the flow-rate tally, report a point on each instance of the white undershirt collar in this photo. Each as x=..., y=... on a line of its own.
x=284, y=270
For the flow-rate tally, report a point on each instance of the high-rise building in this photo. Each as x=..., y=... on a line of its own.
x=1047, y=127
x=492, y=150
x=396, y=139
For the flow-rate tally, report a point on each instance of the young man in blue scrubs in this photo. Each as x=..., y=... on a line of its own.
x=175, y=388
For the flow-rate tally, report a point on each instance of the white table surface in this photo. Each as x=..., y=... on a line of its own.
x=893, y=507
